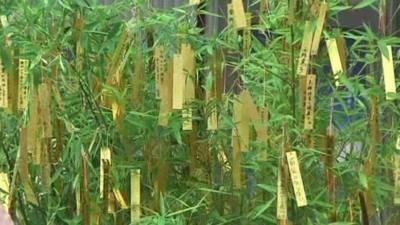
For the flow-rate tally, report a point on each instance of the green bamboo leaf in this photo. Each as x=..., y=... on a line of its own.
x=364, y=3
x=383, y=48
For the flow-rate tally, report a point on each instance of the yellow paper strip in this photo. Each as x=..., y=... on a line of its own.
x=282, y=182
x=3, y=86
x=297, y=181
x=388, y=74
x=4, y=21
x=178, y=83
x=320, y=26
x=45, y=109
x=335, y=58
x=309, y=102
x=135, y=196
x=120, y=199
x=281, y=208
x=304, y=59
x=105, y=155
x=78, y=199
x=166, y=96
x=160, y=68
x=398, y=142
x=396, y=174
x=239, y=14
x=236, y=171
x=189, y=64
x=23, y=169
x=241, y=121
x=85, y=199
x=194, y=2
x=22, y=83
x=212, y=122
x=4, y=190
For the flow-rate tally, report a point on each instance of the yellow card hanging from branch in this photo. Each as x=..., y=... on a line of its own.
x=309, y=102
x=178, y=83
x=4, y=190
x=297, y=181
x=320, y=26
x=388, y=73
x=105, y=157
x=23, y=169
x=166, y=96
x=304, y=58
x=189, y=64
x=282, y=182
x=194, y=2
x=120, y=199
x=239, y=15
x=160, y=68
x=236, y=157
x=45, y=109
x=22, y=83
x=84, y=189
x=241, y=120
x=396, y=174
x=3, y=86
x=135, y=196
x=398, y=142
x=335, y=58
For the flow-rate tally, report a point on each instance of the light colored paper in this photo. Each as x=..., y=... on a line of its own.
x=178, y=83
x=239, y=15
x=388, y=74
x=297, y=181
x=309, y=102
x=335, y=58
x=304, y=58
x=135, y=196
x=320, y=26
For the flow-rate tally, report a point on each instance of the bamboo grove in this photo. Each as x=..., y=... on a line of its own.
x=124, y=113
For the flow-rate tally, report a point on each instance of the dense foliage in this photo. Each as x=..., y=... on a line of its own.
x=77, y=49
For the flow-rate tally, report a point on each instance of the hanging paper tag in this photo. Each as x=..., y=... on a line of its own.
x=398, y=142
x=84, y=189
x=45, y=109
x=281, y=205
x=236, y=171
x=178, y=83
x=166, y=96
x=309, y=104
x=304, y=58
x=135, y=196
x=388, y=74
x=189, y=71
x=22, y=83
x=194, y=2
x=120, y=199
x=397, y=179
x=239, y=15
x=105, y=157
x=320, y=26
x=4, y=190
x=3, y=86
x=297, y=181
x=160, y=68
x=335, y=58
x=4, y=21
x=241, y=121
x=23, y=169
